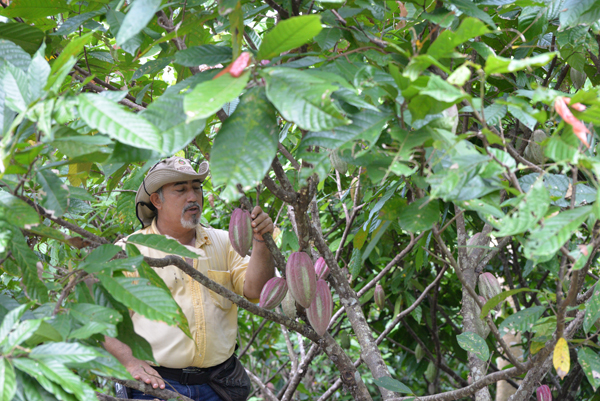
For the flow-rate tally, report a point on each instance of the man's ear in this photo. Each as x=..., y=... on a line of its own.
x=155, y=199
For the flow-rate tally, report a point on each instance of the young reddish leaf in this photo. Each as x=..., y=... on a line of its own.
x=579, y=129
x=237, y=67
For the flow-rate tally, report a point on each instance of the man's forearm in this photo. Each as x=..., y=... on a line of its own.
x=260, y=270
x=119, y=350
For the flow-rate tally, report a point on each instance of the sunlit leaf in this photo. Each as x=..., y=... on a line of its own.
x=289, y=34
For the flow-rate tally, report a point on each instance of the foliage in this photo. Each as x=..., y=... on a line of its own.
x=425, y=108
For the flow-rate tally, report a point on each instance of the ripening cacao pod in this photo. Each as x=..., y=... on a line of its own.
x=240, y=231
x=321, y=269
x=289, y=305
x=543, y=393
x=344, y=340
x=430, y=372
x=337, y=162
x=472, y=241
x=533, y=151
x=320, y=310
x=488, y=285
x=273, y=293
x=301, y=278
x=419, y=353
x=379, y=296
x=578, y=78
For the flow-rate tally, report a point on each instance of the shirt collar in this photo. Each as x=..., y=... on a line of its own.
x=202, y=237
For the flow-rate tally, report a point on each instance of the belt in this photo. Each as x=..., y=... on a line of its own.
x=189, y=375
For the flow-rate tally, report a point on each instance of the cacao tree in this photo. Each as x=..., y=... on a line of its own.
x=436, y=159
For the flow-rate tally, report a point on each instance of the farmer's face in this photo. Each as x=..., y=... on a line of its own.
x=182, y=205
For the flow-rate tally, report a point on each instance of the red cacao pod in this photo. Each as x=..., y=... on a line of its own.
x=240, y=231
x=488, y=285
x=321, y=269
x=301, y=278
x=273, y=293
x=320, y=310
x=543, y=393
x=379, y=296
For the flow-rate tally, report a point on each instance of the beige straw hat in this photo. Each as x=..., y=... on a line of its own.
x=173, y=169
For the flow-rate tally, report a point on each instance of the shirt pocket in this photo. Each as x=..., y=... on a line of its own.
x=223, y=278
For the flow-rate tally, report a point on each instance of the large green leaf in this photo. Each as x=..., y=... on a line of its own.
x=136, y=19
x=502, y=65
x=16, y=211
x=56, y=196
x=27, y=261
x=205, y=54
x=289, y=34
x=27, y=37
x=303, y=98
x=30, y=9
x=448, y=40
x=8, y=381
x=152, y=67
x=250, y=134
x=592, y=309
x=589, y=360
x=21, y=332
x=498, y=299
x=139, y=295
x=528, y=212
x=572, y=10
x=473, y=343
x=392, y=385
x=62, y=65
x=64, y=353
x=95, y=319
x=14, y=54
x=10, y=320
x=522, y=321
x=164, y=244
x=546, y=240
x=73, y=23
x=44, y=376
x=208, y=97
x=109, y=118
x=37, y=75
x=420, y=215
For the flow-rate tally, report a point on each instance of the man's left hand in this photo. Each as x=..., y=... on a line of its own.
x=261, y=223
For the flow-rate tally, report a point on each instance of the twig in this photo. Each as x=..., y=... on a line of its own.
x=253, y=337
x=265, y=390
x=288, y=156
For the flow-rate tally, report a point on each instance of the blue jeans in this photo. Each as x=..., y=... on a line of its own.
x=197, y=392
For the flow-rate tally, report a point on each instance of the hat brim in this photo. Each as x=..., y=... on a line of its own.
x=155, y=180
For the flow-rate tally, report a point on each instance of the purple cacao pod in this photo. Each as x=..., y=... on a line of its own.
x=240, y=231
x=321, y=268
x=379, y=296
x=301, y=278
x=273, y=293
x=543, y=393
x=489, y=286
x=320, y=310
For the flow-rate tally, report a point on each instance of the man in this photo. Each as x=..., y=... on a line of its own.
x=169, y=202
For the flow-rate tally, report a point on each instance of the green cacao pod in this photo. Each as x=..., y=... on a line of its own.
x=430, y=372
x=419, y=353
x=344, y=340
x=273, y=293
x=379, y=296
x=289, y=306
x=578, y=78
x=320, y=310
x=240, y=231
x=301, y=278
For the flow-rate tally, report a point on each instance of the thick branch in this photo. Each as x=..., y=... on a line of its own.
x=148, y=389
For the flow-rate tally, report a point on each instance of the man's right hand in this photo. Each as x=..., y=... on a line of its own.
x=142, y=371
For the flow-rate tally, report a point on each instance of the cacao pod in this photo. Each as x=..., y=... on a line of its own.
x=578, y=78
x=344, y=340
x=240, y=231
x=419, y=353
x=301, y=278
x=472, y=241
x=543, y=393
x=488, y=285
x=337, y=162
x=469, y=380
x=273, y=293
x=430, y=372
x=379, y=296
x=289, y=306
x=321, y=269
x=320, y=310
x=533, y=151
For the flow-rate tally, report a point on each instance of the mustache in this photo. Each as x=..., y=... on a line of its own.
x=191, y=205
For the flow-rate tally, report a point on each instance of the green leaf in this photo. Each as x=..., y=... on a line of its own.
x=20, y=334
x=152, y=67
x=420, y=215
x=64, y=353
x=208, y=97
x=375, y=239
x=8, y=380
x=572, y=10
x=236, y=28
x=10, y=321
x=592, y=309
x=356, y=262
x=56, y=196
x=206, y=54
x=30, y=9
x=392, y=385
x=471, y=342
x=442, y=91
x=590, y=363
x=471, y=9
x=139, y=15
x=14, y=54
x=65, y=61
x=17, y=212
x=448, y=40
x=546, y=240
x=37, y=75
x=107, y=117
x=521, y=321
x=250, y=133
x=164, y=244
x=44, y=376
x=289, y=34
x=95, y=319
x=27, y=37
x=528, y=212
x=498, y=299
x=73, y=23
x=27, y=261
x=501, y=65
x=149, y=301
x=303, y=98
